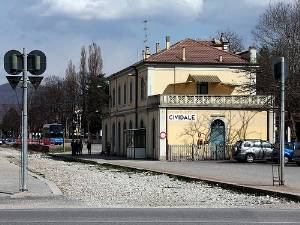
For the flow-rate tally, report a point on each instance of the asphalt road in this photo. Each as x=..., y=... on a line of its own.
x=145, y=216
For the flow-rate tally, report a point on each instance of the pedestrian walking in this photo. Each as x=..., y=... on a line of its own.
x=73, y=147
x=80, y=147
x=89, y=146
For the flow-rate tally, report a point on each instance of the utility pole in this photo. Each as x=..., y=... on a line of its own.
x=146, y=34
x=282, y=122
x=280, y=72
x=24, y=153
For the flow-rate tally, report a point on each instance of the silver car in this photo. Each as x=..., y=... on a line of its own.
x=251, y=150
x=296, y=156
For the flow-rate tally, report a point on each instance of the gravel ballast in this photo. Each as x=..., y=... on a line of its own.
x=100, y=186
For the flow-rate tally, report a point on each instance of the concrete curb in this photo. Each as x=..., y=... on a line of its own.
x=223, y=184
x=53, y=187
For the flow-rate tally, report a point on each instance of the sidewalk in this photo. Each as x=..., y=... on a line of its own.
x=256, y=177
x=9, y=181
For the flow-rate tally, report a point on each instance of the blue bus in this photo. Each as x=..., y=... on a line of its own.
x=53, y=134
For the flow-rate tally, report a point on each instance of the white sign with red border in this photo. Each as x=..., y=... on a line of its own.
x=163, y=135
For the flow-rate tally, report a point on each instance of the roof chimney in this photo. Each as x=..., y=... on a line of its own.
x=221, y=58
x=183, y=54
x=252, y=55
x=147, y=53
x=157, y=48
x=144, y=54
x=167, y=42
x=224, y=42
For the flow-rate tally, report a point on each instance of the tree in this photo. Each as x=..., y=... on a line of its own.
x=235, y=41
x=96, y=90
x=83, y=77
x=95, y=63
x=85, y=93
x=11, y=123
x=196, y=127
x=278, y=32
x=46, y=104
x=237, y=127
x=71, y=96
x=236, y=45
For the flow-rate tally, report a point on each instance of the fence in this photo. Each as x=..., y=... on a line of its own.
x=198, y=152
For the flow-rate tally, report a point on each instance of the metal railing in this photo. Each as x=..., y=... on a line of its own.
x=198, y=152
x=232, y=101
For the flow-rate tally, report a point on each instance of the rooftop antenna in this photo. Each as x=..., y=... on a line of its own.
x=146, y=33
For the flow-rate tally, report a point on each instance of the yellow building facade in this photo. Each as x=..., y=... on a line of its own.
x=188, y=93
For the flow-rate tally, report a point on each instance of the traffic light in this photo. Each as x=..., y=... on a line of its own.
x=36, y=62
x=277, y=68
x=277, y=71
x=13, y=62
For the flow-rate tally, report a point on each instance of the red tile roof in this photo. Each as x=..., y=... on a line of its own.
x=196, y=52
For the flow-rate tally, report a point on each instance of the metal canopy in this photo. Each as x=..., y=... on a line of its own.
x=203, y=79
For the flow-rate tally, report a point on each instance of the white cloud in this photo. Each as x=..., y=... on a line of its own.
x=264, y=3
x=121, y=9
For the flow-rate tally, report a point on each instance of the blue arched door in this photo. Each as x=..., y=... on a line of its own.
x=217, y=139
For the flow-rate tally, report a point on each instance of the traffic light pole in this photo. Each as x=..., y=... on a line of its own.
x=24, y=152
x=282, y=125
x=34, y=62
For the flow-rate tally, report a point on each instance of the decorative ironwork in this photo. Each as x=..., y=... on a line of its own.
x=198, y=152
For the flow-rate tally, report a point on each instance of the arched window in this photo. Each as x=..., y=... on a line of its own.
x=153, y=133
x=113, y=137
x=119, y=95
x=105, y=133
x=125, y=94
x=124, y=139
x=119, y=137
x=114, y=97
x=130, y=91
x=142, y=124
x=124, y=126
x=142, y=89
x=130, y=124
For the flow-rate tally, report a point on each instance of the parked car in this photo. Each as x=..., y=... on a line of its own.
x=296, y=156
x=289, y=149
x=251, y=150
x=10, y=141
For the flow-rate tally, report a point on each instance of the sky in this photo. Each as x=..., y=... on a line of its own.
x=60, y=28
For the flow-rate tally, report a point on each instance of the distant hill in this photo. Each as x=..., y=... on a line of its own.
x=9, y=98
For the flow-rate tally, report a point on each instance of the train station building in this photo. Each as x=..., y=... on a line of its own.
x=191, y=92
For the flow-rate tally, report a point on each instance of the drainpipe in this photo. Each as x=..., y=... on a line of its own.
x=136, y=95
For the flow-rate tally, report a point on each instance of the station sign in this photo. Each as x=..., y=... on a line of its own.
x=182, y=117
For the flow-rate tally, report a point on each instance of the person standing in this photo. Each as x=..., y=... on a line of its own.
x=89, y=146
x=73, y=147
x=76, y=146
x=80, y=147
